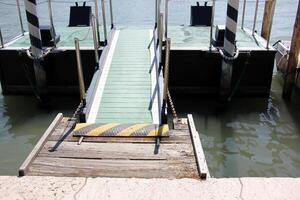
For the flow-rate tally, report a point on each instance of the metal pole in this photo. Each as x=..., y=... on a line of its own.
x=212, y=24
x=160, y=37
x=20, y=17
x=156, y=18
x=51, y=22
x=104, y=21
x=97, y=21
x=94, y=24
x=1, y=39
x=244, y=12
x=166, y=82
x=111, y=14
x=166, y=69
x=166, y=18
x=271, y=24
x=79, y=70
x=255, y=17
x=229, y=47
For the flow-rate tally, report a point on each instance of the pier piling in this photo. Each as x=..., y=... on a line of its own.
x=293, y=59
x=268, y=20
x=36, y=45
x=229, y=47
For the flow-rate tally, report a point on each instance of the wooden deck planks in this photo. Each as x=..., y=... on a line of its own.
x=114, y=168
x=116, y=157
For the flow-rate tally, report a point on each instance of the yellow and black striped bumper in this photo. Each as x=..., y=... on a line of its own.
x=122, y=130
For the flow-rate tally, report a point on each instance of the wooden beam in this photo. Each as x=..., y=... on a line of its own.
x=25, y=166
x=199, y=153
x=293, y=59
x=268, y=19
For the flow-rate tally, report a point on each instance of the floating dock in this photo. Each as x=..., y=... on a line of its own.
x=194, y=68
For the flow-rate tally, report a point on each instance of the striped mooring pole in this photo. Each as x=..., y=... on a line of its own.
x=36, y=44
x=229, y=46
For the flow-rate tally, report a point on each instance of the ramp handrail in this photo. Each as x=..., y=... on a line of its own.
x=156, y=67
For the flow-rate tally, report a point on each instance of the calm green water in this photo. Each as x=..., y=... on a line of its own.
x=252, y=137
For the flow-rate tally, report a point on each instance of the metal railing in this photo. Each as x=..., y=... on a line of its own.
x=111, y=15
x=95, y=36
x=20, y=17
x=156, y=44
x=79, y=70
x=97, y=22
x=255, y=17
x=244, y=12
x=212, y=24
x=104, y=21
x=1, y=40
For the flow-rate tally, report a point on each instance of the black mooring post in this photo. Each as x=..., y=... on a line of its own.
x=36, y=46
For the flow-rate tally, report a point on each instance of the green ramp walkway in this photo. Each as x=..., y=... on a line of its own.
x=123, y=91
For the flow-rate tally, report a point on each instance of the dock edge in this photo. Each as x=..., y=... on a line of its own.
x=25, y=165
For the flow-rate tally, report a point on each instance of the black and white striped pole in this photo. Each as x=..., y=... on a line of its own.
x=36, y=43
x=229, y=47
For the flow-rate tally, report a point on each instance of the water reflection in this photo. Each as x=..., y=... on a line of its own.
x=21, y=124
x=252, y=137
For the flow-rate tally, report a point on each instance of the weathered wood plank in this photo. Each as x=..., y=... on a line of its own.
x=181, y=124
x=24, y=167
x=199, y=153
x=89, y=150
x=175, y=137
x=114, y=168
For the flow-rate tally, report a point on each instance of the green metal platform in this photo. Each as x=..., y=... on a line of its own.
x=124, y=92
x=183, y=38
x=67, y=35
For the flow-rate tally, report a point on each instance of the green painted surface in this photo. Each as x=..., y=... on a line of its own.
x=67, y=35
x=181, y=36
x=126, y=95
x=198, y=37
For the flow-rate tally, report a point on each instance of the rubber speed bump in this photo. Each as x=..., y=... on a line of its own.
x=120, y=130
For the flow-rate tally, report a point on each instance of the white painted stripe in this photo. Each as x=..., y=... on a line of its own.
x=234, y=4
x=229, y=47
x=34, y=31
x=91, y=118
x=155, y=110
x=30, y=7
x=36, y=51
x=231, y=25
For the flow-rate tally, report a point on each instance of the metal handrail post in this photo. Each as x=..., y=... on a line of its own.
x=271, y=23
x=156, y=18
x=166, y=18
x=166, y=69
x=97, y=21
x=255, y=17
x=51, y=21
x=1, y=39
x=20, y=17
x=244, y=12
x=212, y=24
x=160, y=37
x=111, y=15
x=79, y=70
x=104, y=21
x=94, y=24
